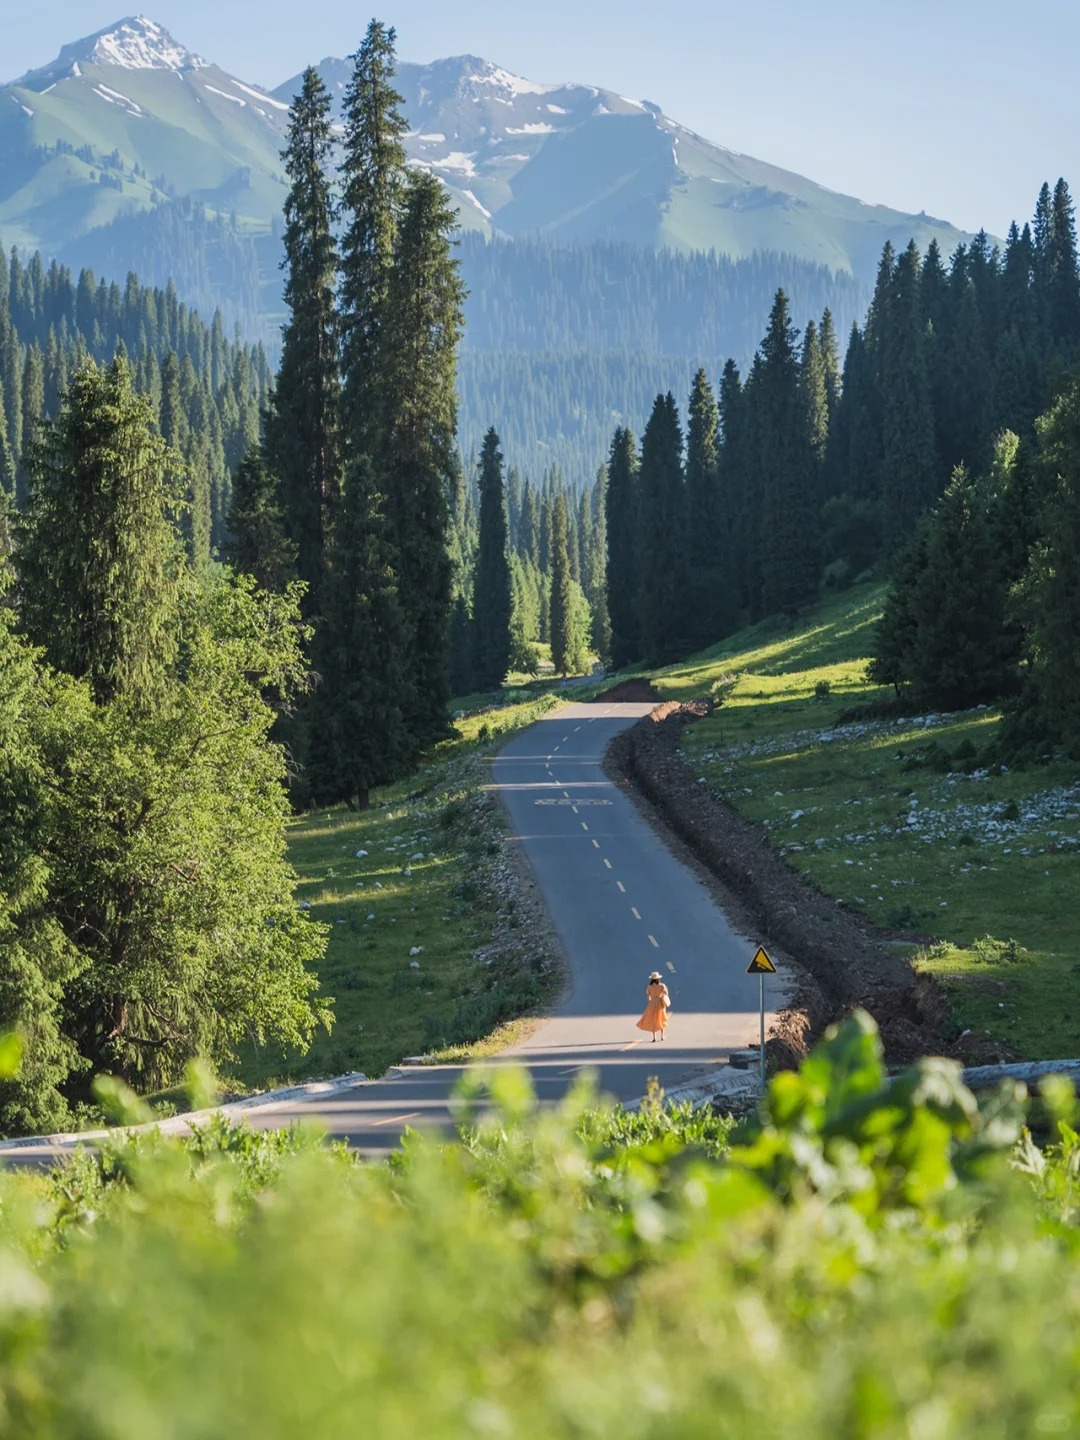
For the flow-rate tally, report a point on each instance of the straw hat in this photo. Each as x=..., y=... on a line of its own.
x=656, y=975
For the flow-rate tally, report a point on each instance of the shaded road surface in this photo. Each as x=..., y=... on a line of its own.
x=623, y=906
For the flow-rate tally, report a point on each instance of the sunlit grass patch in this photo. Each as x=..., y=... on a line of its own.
x=907, y=821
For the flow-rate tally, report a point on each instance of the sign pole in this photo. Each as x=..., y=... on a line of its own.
x=761, y=965
x=761, y=1003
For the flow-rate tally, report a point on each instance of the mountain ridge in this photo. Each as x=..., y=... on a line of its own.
x=578, y=162
x=104, y=131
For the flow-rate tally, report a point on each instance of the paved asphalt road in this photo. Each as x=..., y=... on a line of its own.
x=622, y=905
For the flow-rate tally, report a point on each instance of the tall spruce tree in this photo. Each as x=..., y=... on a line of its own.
x=491, y=583
x=784, y=470
x=423, y=324
x=97, y=551
x=623, y=558
x=257, y=543
x=373, y=179
x=908, y=450
x=358, y=735
x=734, y=481
x=707, y=603
x=1050, y=701
x=1062, y=279
x=303, y=440
x=562, y=598
x=815, y=393
x=661, y=522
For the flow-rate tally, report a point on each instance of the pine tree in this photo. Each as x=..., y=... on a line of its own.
x=257, y=544
x=897, y=630
x=419, y=345
x=97, y=552
x=702, y=465
x=373, y=187
x=706, y=599
x=7, y=458
x=1050, y=700
x=661, y=533
x=528, y=546
x=491, y=583
x=960, y=654
x=784, y=469
x=815, y=395
x=739, y=529
x=359, y=738
x=623, y=560
x=302, y=429
x=462, y=676
x=830, y=359
x=908, y=449
x=562, y=639
x=600, y=638
x=33, y=409
x=1062, y=279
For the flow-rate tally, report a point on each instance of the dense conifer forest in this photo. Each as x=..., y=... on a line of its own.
x=943, y=450
x=207, y=391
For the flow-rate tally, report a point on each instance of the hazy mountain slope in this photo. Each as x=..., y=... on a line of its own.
x=128, y=119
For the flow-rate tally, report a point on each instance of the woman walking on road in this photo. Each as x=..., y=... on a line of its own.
x=656, y=1011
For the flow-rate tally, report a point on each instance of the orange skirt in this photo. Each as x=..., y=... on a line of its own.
x=655, y=1017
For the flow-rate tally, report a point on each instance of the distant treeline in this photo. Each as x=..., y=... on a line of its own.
x=563, y=341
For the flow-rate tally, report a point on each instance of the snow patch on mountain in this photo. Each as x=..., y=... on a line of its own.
x=261, y=96
x=114, y=97
x=225, y=95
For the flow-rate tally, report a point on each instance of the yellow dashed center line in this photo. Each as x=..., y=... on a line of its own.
x=629, y=1047
x=635, y=912
x=584, y=826
x=575, y=809
x=654, y=942
x=608, y=864
x=596, y=844
x=396, y=1119
x=621, y=886
x=671, y=967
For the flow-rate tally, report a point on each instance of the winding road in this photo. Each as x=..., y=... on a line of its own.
x=622, y=905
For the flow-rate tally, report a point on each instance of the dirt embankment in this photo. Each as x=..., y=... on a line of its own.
x=842, y=960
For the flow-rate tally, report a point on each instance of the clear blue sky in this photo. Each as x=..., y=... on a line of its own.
x=961, y=108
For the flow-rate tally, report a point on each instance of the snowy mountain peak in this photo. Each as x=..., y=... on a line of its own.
x=132, y=44
x=471, y=77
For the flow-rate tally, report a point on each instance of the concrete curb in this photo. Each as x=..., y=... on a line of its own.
x=724, y=1083
x=177, y=1124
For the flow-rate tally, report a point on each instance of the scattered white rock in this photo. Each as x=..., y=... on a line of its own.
x=371, y=917
x=361, y=854
x=417, y=950
x=305, y=904
x=414, y=964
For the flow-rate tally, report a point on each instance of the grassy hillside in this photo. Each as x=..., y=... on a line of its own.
x=901, y=819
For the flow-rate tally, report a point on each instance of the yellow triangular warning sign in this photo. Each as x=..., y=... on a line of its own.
x=761, y=964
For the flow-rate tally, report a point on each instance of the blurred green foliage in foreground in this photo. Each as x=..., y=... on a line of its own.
x=865, y=1259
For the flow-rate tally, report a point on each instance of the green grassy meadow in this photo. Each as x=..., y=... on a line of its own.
x=901, y=820
x=415, y=872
